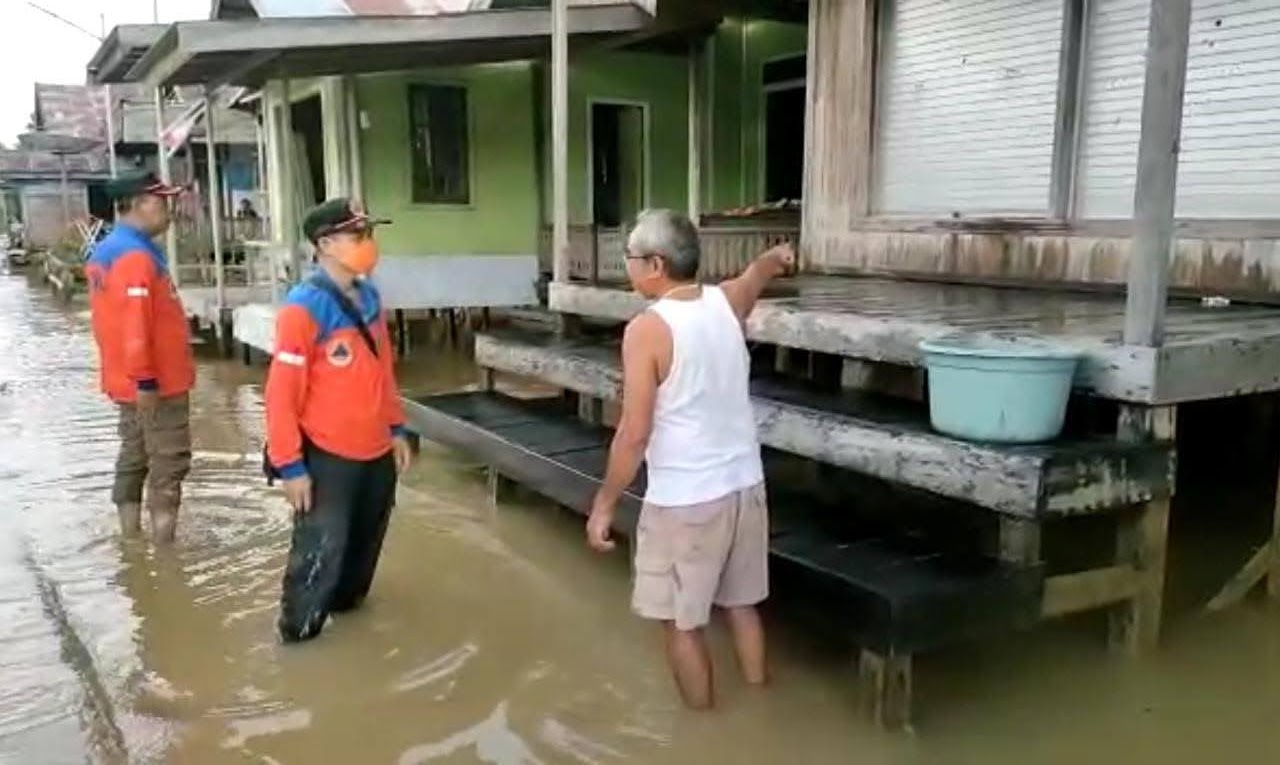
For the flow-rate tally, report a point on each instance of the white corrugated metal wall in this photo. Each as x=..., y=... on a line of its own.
x=1230, y=161
x=1111, y=116
x=967, y=102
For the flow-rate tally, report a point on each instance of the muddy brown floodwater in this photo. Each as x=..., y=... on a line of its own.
x=491, y=637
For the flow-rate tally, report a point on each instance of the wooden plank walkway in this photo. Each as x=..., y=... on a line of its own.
x=1209, y=352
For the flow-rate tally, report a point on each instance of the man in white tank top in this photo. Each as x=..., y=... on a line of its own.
x=703, y=536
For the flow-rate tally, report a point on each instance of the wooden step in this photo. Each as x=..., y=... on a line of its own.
x=882, y=438
x=896, y=595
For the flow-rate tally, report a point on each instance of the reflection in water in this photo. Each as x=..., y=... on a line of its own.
x=489, y=637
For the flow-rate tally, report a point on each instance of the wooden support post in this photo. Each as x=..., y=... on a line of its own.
x=1273, y=574
x=215, y=205
x=560, y=140
x=886, y=688
x=1155, y=192
x=246, y=354
x=166, y=176
x=289, y=174
x=1142, y=541
x=488, y=379
x=501, y=488
x=402, y=334
x=591, y=409
x=1019, y=541
x=695, y=133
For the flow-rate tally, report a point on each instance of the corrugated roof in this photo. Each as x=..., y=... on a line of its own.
x=228, y=9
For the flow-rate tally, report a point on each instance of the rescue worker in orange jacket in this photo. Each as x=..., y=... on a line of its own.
x=335, y=426
x=144, y=353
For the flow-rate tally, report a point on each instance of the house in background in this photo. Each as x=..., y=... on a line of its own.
x=453, y=142
x=438, y=116
x=79, y=113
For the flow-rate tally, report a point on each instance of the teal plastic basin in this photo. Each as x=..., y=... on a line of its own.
x=997, y=389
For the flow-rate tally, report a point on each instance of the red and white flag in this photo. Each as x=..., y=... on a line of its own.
x=176, y=135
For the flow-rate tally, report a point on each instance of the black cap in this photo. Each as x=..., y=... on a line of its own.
x=335, y=216
x=132, y=185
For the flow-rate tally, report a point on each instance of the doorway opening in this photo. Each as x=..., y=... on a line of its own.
x=618, y=163
x=308, y=130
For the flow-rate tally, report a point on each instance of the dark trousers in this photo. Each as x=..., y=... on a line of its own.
x=336, y=543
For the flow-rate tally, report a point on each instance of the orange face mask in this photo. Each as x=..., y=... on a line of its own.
x=361, y=256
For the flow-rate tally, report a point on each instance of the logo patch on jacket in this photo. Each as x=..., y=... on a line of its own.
x=339, y=353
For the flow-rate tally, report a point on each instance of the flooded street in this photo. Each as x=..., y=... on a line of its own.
x=490, y=637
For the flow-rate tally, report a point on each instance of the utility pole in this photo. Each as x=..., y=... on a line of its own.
x=111, y=110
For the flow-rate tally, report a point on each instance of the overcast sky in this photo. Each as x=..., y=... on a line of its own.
x=36, y=48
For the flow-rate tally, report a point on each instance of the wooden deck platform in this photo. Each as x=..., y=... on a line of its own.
x=1209, y=352
x=882, y=438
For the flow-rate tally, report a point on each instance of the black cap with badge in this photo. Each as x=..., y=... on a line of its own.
x=130, y=185
x=335, y=216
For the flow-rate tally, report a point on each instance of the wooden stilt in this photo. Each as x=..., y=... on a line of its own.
x=591, y=410
x=402, y=334
x=1019, y=540
x=1273, y=574
x=501, y=488
x=886, y=688
x=488, y=378
x=1142, y=541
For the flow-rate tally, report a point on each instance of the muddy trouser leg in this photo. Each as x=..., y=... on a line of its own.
x=319, y=544
x=368, y=528
x=168, y=439
x=131, y=470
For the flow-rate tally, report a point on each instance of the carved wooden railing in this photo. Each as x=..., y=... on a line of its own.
x=596, y=254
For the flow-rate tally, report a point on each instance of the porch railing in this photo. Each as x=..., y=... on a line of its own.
x=596, y=253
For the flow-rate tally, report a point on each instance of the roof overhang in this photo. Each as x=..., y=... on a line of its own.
x=251, y=51
x=121, y=51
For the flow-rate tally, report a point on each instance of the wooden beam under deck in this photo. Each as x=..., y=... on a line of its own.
x=881, y=440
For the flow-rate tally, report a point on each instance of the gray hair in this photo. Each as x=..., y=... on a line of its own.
x=671, y=236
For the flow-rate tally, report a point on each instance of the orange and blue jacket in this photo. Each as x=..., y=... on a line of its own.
x=138, y=321
x=325, y=385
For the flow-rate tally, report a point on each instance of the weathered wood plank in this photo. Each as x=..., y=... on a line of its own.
x=1087, y=590
x=879, y=439
x=1237, y=259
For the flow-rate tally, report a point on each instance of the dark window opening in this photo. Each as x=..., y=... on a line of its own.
x=617, y=163
x=441, y=153
x=784, y=144
x=308, y=129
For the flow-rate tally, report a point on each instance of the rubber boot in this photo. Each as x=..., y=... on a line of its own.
x=130, y=519
x=164, y=525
